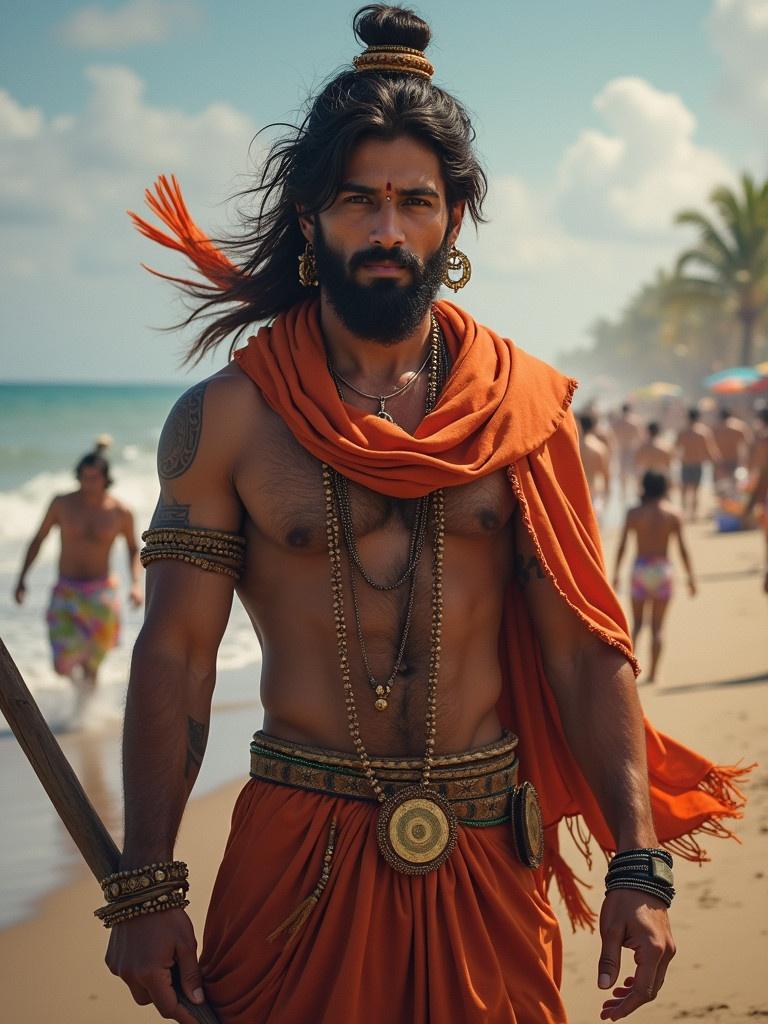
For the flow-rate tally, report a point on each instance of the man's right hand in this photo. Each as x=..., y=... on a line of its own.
x=20, y=592
x=143, y=951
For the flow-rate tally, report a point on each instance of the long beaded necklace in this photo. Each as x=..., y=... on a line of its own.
x=416, y=828
x=383, y=688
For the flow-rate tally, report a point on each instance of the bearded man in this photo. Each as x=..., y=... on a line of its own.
x=398, y=493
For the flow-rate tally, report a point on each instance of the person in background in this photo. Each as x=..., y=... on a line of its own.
x=733, y=438
x=628, y=433
x=84, y=611
x=596, y=459
x=654, y=522
x=759, y=440
x=653, y=454
x=759, y=487
x=695, y=445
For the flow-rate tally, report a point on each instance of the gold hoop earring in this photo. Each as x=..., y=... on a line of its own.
x=308, y=267
x=457, y=262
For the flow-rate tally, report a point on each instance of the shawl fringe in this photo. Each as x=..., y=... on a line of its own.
x=580, y=914
x=591, y=626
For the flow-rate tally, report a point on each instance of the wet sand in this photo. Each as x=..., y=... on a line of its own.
x=712, y=693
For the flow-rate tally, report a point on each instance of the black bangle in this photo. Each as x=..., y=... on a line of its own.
x=649, y=865
x=652, y=851
x=665, y=894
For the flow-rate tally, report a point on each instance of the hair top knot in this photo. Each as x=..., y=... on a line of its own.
x=390, y=57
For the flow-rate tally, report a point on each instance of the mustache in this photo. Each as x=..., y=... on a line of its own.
x=400, y=257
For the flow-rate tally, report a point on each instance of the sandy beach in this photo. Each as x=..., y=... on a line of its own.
x=712, y=694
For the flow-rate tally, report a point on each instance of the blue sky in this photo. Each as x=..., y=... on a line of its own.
x=596, y=121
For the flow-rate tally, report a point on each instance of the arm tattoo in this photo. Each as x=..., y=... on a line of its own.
x=181, y=434
x=524, y=570
x=169, y=515
x=197, y=737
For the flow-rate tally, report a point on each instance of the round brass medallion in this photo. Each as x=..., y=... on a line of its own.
x=416, y=830
x=527, y=825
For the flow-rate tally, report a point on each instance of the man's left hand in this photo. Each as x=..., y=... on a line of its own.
x=135, y=596
x=639, y=922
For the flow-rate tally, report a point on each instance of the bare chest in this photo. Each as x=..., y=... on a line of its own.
x=282, y=490
x=85, y=525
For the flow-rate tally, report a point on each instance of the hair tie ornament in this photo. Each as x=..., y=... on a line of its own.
x=394, y=58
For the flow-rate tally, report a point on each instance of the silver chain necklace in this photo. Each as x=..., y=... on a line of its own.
x=383, y=399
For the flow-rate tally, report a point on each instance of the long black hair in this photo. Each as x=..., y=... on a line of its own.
x=305, y=166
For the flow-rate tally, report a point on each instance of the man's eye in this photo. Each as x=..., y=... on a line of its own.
x=416, y=201
x=357, y=199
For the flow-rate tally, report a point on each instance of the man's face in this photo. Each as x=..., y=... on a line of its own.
x=92, y=481
x=381, y=246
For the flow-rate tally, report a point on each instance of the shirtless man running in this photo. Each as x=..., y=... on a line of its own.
x=654, y=522
x=84, y=611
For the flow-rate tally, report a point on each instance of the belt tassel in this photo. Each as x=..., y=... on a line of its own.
x=298, y=918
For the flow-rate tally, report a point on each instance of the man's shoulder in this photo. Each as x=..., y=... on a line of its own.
x=207, y=425
x=531, y=367
x=114, y=504
x=225, y=399
x=671, y=512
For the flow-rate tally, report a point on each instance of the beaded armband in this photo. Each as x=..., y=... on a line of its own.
x=211, y=550
x=147, y=890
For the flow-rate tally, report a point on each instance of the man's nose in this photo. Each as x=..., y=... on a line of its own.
x=387, y=230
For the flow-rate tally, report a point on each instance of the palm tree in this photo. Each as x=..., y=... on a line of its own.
x=732, y=257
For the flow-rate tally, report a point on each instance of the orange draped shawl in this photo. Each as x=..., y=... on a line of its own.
x=501, y=408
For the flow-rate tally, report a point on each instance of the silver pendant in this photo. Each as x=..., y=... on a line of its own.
x=383, y=414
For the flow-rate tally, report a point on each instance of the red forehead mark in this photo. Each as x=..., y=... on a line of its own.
x=389, y=191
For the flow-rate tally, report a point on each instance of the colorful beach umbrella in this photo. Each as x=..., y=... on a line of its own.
x=732, y=385
x=747, y=374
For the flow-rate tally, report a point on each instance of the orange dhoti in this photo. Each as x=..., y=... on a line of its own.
x=476, y=940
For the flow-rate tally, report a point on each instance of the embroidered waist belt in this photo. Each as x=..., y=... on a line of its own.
x=479, y=784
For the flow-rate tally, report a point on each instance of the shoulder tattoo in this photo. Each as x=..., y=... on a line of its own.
x=181, y=434
x=526, y=571
x=197, y=737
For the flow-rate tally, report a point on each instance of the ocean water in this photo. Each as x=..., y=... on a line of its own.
x=44, y=430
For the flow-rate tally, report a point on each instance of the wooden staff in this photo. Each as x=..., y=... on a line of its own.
x=65, y=792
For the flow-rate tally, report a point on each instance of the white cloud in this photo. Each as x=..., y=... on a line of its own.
x=16, y=122
x=522, y=233
x=635, y=179
x=72, y=168
x=586, y=242
x=135, y=22
x=739, y=32
x=65, y=182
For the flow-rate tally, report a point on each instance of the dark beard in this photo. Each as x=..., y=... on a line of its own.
x=385, y=311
